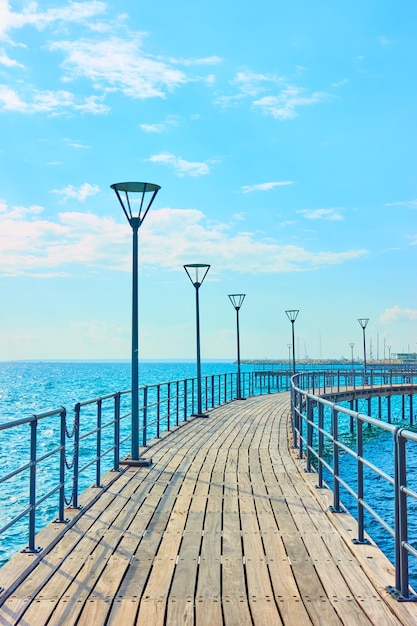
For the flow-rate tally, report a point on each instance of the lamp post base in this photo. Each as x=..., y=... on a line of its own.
x=199, y=415
x=136, y=462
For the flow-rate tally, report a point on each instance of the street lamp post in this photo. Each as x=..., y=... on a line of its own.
x=237, y=299
x=292, y=316
x=289, y=356
x=196, y=273
x=135, y=220
x=351, y=353
x=389, y=355
x=363, y=322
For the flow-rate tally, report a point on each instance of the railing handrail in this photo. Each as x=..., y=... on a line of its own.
x=311, y=445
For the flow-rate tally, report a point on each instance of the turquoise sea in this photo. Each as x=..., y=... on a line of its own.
x=34, y=387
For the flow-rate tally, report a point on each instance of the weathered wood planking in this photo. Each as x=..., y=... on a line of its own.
x=223, y=528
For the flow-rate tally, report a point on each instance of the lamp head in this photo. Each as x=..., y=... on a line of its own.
x=292, y=314
x=196, y=272
x=237, y=299
x=363, y=322
x=128, y=190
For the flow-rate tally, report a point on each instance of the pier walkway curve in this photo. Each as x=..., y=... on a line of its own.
x=224, y=527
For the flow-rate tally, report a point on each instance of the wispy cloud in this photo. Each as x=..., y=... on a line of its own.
x=384, y=41
x=76, y=144
x=340, y=83
x=31, y=244
x=333, y=215
x=54, y=102
x=285, y=105
x=396, y=312
x=412, y=204
x=119, y=64
x=159, y=127
x=7, y=61
x=76, y=12
x=181, y=166
x=213, y=60
x=265, y=186
x=77, y=193
x=251, y=83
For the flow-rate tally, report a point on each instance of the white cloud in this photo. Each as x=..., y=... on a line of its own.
x=322, y=214
x=213, y=60
x=78, y=193
x=30, y=244
x=282, y=106
x=251, y=84
x=412, y=204
x=182, y=167
x=119, y=64
x=265, y=186
x=76, y=12
x=395, y=313
x=54, y=102
x=340, y=83
x=76, y=144
x=7, y=61
x=159, y=127
x=285, y=105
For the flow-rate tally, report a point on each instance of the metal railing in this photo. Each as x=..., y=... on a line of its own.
x=333, y=441
x=62, y=452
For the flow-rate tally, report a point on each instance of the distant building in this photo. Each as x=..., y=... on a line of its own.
x=406, y=357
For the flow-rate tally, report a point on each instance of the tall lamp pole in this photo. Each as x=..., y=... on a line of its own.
x=196, y=273
x=146, y=193
x=363, y=322
x=237, y=299
x=292, y=316
x=351, y=353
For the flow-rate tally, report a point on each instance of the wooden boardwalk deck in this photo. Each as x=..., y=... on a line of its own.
x=223, y=528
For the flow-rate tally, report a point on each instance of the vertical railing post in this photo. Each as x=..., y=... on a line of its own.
x=321, y=443
x=185, y=403
x=32, y=487
x=169, y=407
x=360, y=486
x=397, y=516
x=309, y=413
x=61, y=519
x=212, y=390
x=294, y=417
x=158, y=411
x=77, y=410
x=402, y=511
x=98, y=442
x=145, y=417
x=336, y=486
x=177, y=401
x=116, y=455
x=300, y=425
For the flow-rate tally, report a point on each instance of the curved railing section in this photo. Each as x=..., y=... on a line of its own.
x=344, y=446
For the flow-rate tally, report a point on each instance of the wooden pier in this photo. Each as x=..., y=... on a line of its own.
x=224, y=527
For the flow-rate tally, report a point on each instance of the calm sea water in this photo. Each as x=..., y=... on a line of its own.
x=35, y=387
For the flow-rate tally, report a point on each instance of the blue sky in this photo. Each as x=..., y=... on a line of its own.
x=283, y=136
